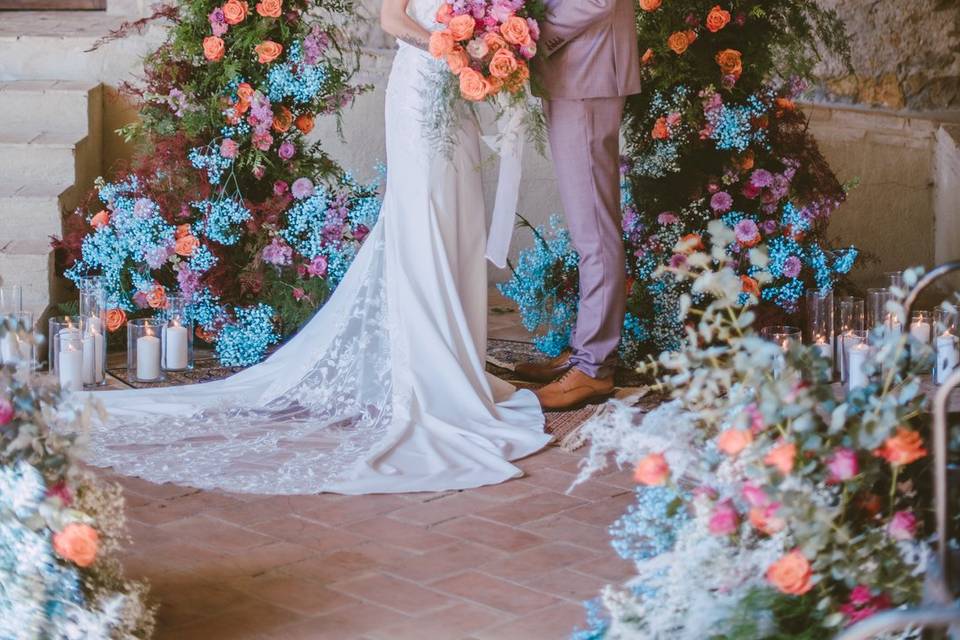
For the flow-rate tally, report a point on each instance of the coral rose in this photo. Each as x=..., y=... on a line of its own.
x=717, y=19
x=650, y=5
x=444, y=13
x=764, y=519
x=441, y=43
x=157, y=297
x=791, y=574
x=270, y=8
x=782, y=457
x=652, y=470
x=749, y=285
x=245, y=93
x=186, y=245
x=116, y=318
x=647, y=57
x=503, y=64
x=903, y=448
x=304, y=123
x=268, y=51
x=494, y=85
x=77, y=543
x=678, y=42
x=515, y=30
x=213, y=48
x=234, y=11
x=457, y=60
x=733, y=441
x=494, y=41
x=730, y=61
x=472, y=85
x=461, y=27
x=100, y=219
x=282, y=120
x=660, y=130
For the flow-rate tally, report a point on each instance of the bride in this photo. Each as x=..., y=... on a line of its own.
x=384, y=390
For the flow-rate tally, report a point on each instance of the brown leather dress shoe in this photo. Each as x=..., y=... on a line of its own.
x=544, y=370
x=574, y=390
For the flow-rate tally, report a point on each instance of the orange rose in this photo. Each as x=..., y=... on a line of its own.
x=457, y=60
x=282, y=120
x=494, y=41
x=157, y=298
x=903, y=448
x=116, y=318
x=730, y=61
x=472, y=85
x=691, y=36
x=444, y=13
x=268, y=51
x=203, y=334
x=652, y=470
x=750, y=286
x=234, y=11
x=515, y=30
x=678, y=42
x=270, y=8
x=213, y=48
x=100, y=219
x=305, y=123
x=494, y=85
x=77, y=543
x=182, y=230
x=747, y=161
x=785, y=104
x=689, y=243
x=647, y=56
x=717, y=19
x=733, y=441
x=782, y=456
x=503, y=64
x=461, y=27
x=244, y=92
x=791, y=574
x=441, y=43
x=650, y=5
x=660, y=130
x=186, y=245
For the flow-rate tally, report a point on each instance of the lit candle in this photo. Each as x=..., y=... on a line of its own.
x=175, y=339
x=920, y=330
x=856, y=358
x=148, y=357
x=893, y=325
x=947, y=356
x=70, y=367
x=825, y=349
x=10, y=348
x=92, y=357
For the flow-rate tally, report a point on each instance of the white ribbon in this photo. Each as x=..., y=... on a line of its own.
x=508, y=143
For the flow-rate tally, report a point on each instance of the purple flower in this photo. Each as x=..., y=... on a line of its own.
x=842, y=465
x=301, y=188
x=761, y=178
x=277, y=252
x=534, y=28
x=229, y=148
x=286, y=150
x=746, y=232
x=189, y=280
x=259, y=171
x=728, y=82
x=902, y=526
x=318, y=267
x=667, y=217
x=721, y=202
x=769, y=227
x=677, y=260
x=143, y=208
x=781, y=184
x=280, y=187
x=156, y=256
x=360, y=232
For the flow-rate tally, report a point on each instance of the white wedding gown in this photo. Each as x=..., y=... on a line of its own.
x=384, y=390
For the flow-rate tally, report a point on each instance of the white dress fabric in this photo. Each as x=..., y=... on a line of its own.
x=384, y=390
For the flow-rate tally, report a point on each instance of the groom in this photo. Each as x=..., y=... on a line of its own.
x=588, y=64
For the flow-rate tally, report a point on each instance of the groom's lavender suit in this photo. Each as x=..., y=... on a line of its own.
x=589, y=63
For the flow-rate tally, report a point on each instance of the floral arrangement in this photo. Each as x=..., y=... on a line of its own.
x=715, y=135
x=228, y=203
x=766, y=507
x=60, y=527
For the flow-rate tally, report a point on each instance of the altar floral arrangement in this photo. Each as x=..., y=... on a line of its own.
x=227, y=202
x=715, y=135
x=766, y=507
x=60, y=527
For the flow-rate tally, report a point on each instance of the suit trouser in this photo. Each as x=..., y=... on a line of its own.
x=585, y=144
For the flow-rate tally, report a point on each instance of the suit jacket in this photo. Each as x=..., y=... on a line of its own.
x=588, y=49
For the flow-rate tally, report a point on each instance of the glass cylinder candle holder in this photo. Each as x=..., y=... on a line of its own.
x=177, y=335
x=820, y=322
x=93, y=302
x=850, y=318
x=782, y=335
x=57, y=327
x=69, y=361
x=144, y=349
x=894, y=279
x=13, y=350
x=945, y=343
x=921, y=326
x=94, y=351
x=856, y=349
x=11, y=299
x=877, y=313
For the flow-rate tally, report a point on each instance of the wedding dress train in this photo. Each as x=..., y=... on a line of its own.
x=384, y=390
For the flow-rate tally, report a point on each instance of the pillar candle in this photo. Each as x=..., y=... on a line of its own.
x=92, y=357
x=921, y=331
x=10, y=348
x=947, y=357
x=148, y=357
x=70, y=368
x=856, y=358
x=175, y=347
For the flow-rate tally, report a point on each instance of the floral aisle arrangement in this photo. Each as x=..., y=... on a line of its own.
x=227, y=203
x=715, y=135
x=60, y=527
x=766, y=507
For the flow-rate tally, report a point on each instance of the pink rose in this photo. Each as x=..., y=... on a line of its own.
x=280, y=187
x=6, y=412
x=286, y=150
x=318, y=267
x=229, y=148
x=724, y=519
x=754, y=495
x=902, y=526
x=652, y=470
x=298, y=293
x=756, y=418
x=842, y=465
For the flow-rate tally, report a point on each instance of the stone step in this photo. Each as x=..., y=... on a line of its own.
x=51, y=105
x=29, y=263
x=54, y=159
x=32, y=210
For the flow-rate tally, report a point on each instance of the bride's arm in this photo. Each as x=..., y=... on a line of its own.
x=395, y=21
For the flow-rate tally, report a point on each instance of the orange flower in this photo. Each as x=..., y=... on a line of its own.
x=782, y=457
x=472, y=85
x=441, y=43
x=652, y=470
x=182, y=230
x=747, y=160
x=234, y=11
x=647, y=56
x=494, y=41
x=77, y=543
x=730, y=61
x=733, y=441
x=494, y=85
x=245, y=92
x=791, y=574
x=717, y=19
x=213, y=48
x=691, y=36
x=157, y=298
x=268, y=51
x=461, y=27
x=690, y=243
x=203, y=334
x=282, y=120
x=660, y=130
x=785, y=104
x=100, y=219
x=503, y=64
x=444, y=13
x=305, y=123
x=903, y=448
x=750, y=286
x=270, y=8
x=764, y=520
x=515, y=30
x=116, y=318
x=650, y=5
x=678, y=42
x=457, y=60
x=186, y=245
